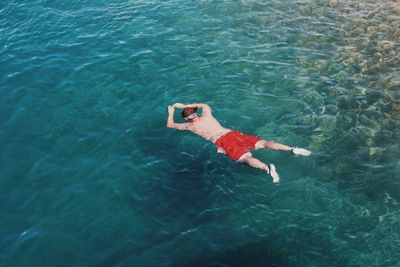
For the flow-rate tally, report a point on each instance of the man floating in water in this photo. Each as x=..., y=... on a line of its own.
x=233, y=143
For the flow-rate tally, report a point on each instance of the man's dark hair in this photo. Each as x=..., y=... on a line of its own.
x=188, y=111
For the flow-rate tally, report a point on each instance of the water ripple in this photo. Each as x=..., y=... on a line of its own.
x=86, y=159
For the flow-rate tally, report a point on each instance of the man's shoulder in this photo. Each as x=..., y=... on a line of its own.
x=206, y=116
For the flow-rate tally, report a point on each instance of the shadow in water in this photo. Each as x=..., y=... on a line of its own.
x=274, y=251
x=252, y=254
x=172, y=199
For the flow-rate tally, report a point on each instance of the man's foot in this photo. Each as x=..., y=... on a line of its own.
x=300, y=151
x=273, y=173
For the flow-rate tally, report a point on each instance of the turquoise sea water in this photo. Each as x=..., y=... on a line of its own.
x=90, y=175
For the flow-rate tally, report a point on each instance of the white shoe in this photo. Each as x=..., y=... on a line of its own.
x=300, y=151
x=273, y=173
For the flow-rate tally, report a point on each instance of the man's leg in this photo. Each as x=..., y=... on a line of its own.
x=281, y=147
x=256, y=163
x=272, y=145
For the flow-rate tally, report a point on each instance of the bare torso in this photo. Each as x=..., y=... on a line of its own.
x=208, y=127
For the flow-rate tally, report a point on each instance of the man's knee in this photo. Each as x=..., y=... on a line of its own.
x=256, y=163
x=264, y=144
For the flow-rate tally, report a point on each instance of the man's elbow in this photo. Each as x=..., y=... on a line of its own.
x=204, y=105
x=170, y=125
x=206, y=108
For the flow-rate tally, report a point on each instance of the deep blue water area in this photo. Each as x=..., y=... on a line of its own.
x=90, y=175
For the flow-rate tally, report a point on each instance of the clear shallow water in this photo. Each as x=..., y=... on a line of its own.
x=90, y=176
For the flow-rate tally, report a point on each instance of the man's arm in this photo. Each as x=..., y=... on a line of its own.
x=206, y=108
x=172, y=124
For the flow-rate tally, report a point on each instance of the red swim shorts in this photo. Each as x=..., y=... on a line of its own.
x=235, y=144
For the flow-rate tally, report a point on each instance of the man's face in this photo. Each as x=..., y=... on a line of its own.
x=191, y=117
